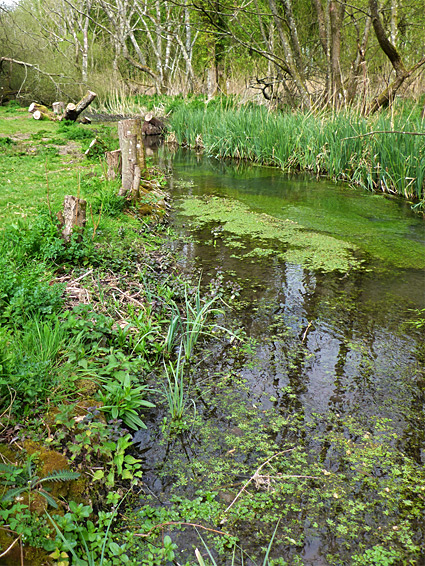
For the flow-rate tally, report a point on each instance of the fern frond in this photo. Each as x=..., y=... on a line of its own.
x=61, y=475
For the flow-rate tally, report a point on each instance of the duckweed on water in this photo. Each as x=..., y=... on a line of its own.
x=292, y=242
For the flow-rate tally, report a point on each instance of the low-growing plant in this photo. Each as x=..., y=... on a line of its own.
x=41, y=239
x=24, y=479
x=89, y=543
x=95, y=444
x=122, y=398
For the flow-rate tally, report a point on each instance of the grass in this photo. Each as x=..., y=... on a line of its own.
x=44, y=161
x=336, y=145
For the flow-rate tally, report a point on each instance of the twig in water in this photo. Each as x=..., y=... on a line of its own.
x=179, y=523
x=306, y=330
x=256, y=475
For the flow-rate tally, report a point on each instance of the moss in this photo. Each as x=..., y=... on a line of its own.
x=32, y=556
x=50, y=461
x=8, y=454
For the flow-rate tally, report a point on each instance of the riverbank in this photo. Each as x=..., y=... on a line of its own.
x=384, y=153
x=83, y=327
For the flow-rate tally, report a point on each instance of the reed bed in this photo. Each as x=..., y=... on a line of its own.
x=383, y=153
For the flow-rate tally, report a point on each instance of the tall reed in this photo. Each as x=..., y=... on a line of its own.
x=340, y=145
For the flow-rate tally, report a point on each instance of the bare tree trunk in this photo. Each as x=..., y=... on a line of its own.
x=294, y=72
x=394, y=21
x=386, y=97
x=359, y=65
x=336, y=13
x=133, y=155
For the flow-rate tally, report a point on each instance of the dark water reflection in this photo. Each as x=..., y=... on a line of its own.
x=360, y=356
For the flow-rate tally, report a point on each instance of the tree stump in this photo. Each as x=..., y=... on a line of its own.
x=72, y=111
x=132, y=156
x=73, y=218
x=153, y=126
x=113, y=160
x=58, y=108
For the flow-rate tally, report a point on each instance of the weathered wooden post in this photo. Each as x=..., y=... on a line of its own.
x=73, y=218
x=58, y=108
x=132, y=156
x=113, y=160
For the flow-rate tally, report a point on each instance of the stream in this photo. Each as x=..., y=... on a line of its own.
x=327, y=279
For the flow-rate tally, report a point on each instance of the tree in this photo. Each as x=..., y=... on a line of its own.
x=402, y=73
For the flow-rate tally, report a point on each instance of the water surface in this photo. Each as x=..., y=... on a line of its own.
x=327, y=341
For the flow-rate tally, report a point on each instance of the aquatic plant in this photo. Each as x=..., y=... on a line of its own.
x=379, y=154
x=175, y=393
x=194, y=323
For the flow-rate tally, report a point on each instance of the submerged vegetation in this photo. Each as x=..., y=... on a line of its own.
x=292, y=242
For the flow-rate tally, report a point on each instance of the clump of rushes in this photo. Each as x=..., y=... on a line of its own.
x=382, y=153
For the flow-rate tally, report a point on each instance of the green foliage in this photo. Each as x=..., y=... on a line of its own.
x=25, y=291
x=41, y=239
x=89, y=544
x=419, y=321
x=30, y=361
x=6, y=142
x=25, y=480
x=175, y=393
x=108, y=201
x=74, y=131
x=122, y=398
x=94, y=443
x=195, y=322
x=334, y=144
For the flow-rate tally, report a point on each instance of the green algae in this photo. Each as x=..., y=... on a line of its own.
x=383, y=228
x=284, y=238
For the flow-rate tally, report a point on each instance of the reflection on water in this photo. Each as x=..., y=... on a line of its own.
x=323, y=343
x=359, y=355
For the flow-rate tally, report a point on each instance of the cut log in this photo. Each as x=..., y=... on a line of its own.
x=113, y=160
x=153, y=126
x=40, y=112
x=74, y=217
x=38, y=115
x=132, y=155
x=72, y=111
x=58, y=108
